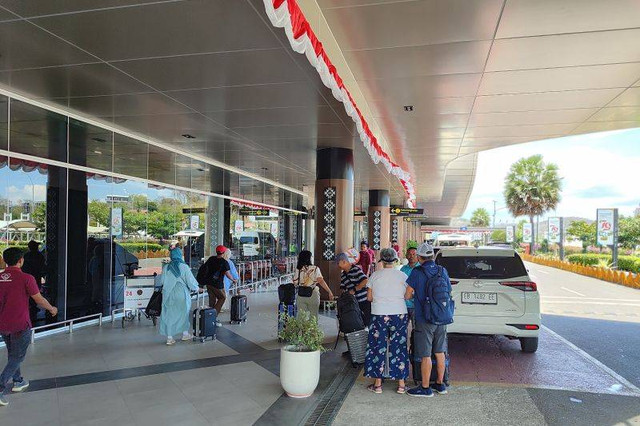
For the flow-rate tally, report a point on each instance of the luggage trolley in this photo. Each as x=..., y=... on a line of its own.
x=137, y=293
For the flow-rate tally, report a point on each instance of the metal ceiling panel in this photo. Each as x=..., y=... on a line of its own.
x=275, y=117
x=565, y=50
x=425, y=23
x=108, y=107
x=32, y=8
x=618, y=114
x=215, y=70
x=406, y=90
x=453, y=58
x=163, y=29
x=558, y=79
x=536, y=130
x=526, y=18
x=24, y=45
x=521, y=118
x=630, y=97
x=75, y=80
x=545, y=101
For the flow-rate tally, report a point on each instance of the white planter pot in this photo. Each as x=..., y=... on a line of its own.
x=299, y=372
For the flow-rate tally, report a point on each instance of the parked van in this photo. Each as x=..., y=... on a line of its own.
x=256, y=243
x=452, y=240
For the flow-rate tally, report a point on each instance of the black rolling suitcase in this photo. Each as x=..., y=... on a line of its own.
x=416, y=365
x=204, y=321
x=239, y=308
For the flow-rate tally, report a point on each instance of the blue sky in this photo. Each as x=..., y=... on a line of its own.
x=597, y=170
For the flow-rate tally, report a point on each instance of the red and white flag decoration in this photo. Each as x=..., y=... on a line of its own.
x=287, y=14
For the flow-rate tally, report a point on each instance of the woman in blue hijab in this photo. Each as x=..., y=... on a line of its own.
x=177, y=284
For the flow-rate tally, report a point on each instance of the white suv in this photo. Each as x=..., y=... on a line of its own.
x=493, y=293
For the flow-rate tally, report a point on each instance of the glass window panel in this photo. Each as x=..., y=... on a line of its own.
x=130, y=156
x=90, y=146
x=183, y=171
x=4, y=119
x=200, y=176
x=162, y=165
x=38, y=132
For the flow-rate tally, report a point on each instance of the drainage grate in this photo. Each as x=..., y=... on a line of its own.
x=332, y=398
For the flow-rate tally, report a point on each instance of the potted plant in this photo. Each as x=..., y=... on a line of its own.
x=300, y=357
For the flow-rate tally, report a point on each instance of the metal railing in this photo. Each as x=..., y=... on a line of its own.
x=69, y=323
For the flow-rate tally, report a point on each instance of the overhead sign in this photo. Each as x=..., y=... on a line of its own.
x=193, y=210
x=606, y=226
x=194, y=222
x=554, y=230
x=359, y=214
x=510, y=234
x=416, y=219
x=247, y=211
x=527, y=233
x=403, y=211
x=116, y=222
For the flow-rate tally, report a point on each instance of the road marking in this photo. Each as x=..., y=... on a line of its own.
x=594, y=361
x=543, y=272
x=572, y=291
x=586, y=302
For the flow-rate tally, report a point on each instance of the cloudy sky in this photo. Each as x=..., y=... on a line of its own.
x=597, y=170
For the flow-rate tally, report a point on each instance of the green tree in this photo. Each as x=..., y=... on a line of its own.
x=480, y=217
x=134, y=221
x=39, y=216
x=532, y=188
x=161, y=225
x=629, y=231
x=584, y=232
x=499, y=235
x=99, y=213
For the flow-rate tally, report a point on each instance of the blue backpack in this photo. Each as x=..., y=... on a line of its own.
x=439, y=306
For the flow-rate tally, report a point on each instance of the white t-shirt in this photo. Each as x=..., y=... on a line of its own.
x=388, y=286
x=308, y=276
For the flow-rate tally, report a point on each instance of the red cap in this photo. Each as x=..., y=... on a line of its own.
x=221, y=249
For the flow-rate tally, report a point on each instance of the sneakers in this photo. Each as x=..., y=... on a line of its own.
x=187, y=337
x=20, y=386
x=171, y=342
x=439, y=388
x=3, y=400
x=218, y=324
x=420, y=392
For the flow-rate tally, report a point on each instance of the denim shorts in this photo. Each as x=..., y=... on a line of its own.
x=429, y=338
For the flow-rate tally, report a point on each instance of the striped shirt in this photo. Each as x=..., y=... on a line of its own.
x=349, y=281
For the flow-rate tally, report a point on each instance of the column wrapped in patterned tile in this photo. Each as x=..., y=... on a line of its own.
x=329, y=240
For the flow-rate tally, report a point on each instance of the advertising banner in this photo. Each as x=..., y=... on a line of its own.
x=554, y=230
x=527, y=233
x=238, y=226
x=510, y=234
x=605, y=227
x=116, y=222
x=194, y=222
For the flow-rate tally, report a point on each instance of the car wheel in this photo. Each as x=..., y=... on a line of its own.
x=529, y=344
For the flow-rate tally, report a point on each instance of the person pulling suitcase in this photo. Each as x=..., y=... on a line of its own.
x=211, y=275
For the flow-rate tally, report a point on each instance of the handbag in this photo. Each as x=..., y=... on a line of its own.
x=304, y=291
x=154, y=307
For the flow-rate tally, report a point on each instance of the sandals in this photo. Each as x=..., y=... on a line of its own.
x=375, y=389
x=401, y=390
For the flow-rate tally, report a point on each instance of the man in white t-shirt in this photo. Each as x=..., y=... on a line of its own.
x=385, y=290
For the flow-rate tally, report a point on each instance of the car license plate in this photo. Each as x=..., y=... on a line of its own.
x=480, y=298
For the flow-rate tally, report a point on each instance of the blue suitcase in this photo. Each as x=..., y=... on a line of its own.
x=204, y=322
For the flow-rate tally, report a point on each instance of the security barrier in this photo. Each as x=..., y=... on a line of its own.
x=627, y=279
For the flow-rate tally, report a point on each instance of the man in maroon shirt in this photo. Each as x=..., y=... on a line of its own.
x=16, y=288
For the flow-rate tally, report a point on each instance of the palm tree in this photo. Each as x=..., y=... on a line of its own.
x=532, y=188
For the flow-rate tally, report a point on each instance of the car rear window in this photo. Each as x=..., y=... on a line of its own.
x=483, y=267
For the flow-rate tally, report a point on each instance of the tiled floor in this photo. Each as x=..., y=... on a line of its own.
x=77, y=379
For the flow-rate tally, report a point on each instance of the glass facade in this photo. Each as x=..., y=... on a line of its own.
x=109, y=215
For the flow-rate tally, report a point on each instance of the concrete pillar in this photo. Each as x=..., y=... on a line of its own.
x=379, y=219
x=334, y=210
x=217, y=227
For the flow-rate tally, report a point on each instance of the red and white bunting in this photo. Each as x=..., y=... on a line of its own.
x=287, y=14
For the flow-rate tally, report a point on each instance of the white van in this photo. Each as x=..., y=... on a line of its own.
x=256, y=243
x=452, y=240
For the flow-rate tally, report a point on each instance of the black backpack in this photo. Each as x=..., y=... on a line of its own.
x=203, y=275
x=287, y=294
x=349, y=313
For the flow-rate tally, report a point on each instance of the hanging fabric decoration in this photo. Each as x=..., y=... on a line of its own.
x=287, y=14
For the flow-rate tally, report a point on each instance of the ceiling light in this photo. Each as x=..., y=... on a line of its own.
x=408, y=108
x=97, y=152
x=200, y=169
x=188, y=136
